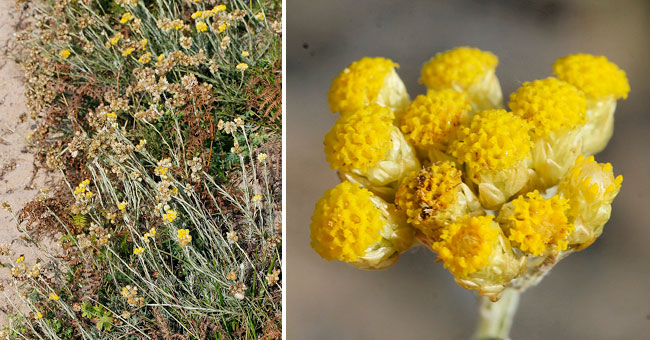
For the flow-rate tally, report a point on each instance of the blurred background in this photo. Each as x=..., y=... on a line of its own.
x=602, y=292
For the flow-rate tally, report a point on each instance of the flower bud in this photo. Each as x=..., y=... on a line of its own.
x=435, y=197
x=603, y=83
x=368, y=149
x=430, y=121
x=536, y=225
x=477, y=253
x=367, y=81
x=590, y=187
x=351, y=224
x=495, y=148
x=555, y=111
x=467, y=70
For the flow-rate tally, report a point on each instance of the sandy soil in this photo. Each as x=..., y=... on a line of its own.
x=20, y=181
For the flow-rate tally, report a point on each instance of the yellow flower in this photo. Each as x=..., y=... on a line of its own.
x=170, y=215
x=115, y=39
x=245, y=54
x=201, y=26
x=367, y=148
x=549, y=105
x=460, y=66
x=465, y=247
x=128, y=51
x=242, y=66
x=64, y=53
x=494, y=139
x=431, y=120
x=178, y=24
x=219, y=8
x=138, y=250
x=350, y=224
x=111, y=116
x=261, y=157
x=38, y=315
x=196, y=14
x=495, y=148
x=590, y=187
x=145, y=58
x=594, y=75
x=20, y=259
x=121, y=206
x=435, y=197
x=126, y=17
x=143, y=43
x=141, y=145
x=53, y=296
x=259, y=16
x=222, y=27
x=365, y=81
x=150, y=234
x=184, y=237
x=257, y=198
x=536, y=224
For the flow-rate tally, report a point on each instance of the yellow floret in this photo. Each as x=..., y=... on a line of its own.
x=494, y=139
x=359, y=140
x=359, y=84
x=537, y=223
x=428, y=192
x=433, y=119
x=594, y=75
x=465, y=247
x=345, y=223
x=460, y=66
x=549, y=105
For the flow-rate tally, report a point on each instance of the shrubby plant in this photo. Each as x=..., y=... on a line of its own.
x=163, y=118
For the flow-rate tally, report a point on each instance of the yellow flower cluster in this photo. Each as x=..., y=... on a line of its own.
x=184, y=237
x=549, y=105
x=345, y=223
x=359, y=84
x=170, y=215
x=494, y=139
x=460, y=67
x=500, y=197
x=594, y=75
x=81, y=191
x=131, y=295
x=359, y=140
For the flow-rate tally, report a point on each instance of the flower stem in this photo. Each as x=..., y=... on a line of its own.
x=495, y=318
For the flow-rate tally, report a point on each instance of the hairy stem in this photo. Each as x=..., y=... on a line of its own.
x=495, y=318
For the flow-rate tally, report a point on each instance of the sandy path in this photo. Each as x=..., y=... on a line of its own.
x=19, y=180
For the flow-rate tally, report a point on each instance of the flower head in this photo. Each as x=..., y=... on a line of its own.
x=461, y=66
x=138, y=250
x=362, y=82
x=434, y=197
x=127, y=51
x=493, y=139
x=184, y=237
x=594, y=75
x=170, y=215
x=53, y=297
x=350, y=224
x=242, y=67
x=145, y=58
x=126, y=17
x=432, y=119
x=535, y=224
x=549, y=105
x=65, y=53
x=590, y=187
x=360, y=140
x=245, y=54
x=201, y=26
